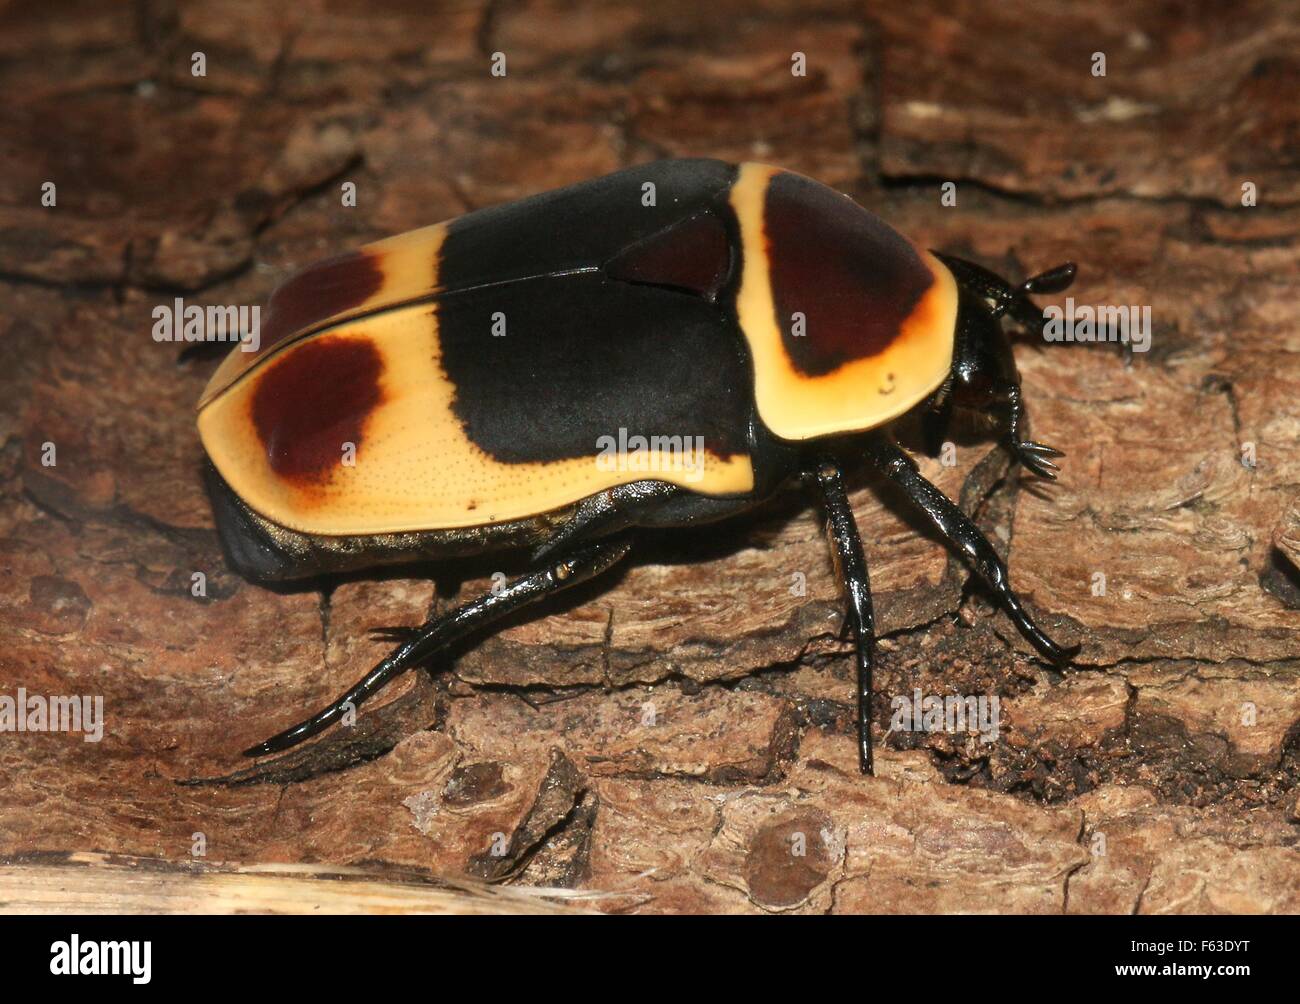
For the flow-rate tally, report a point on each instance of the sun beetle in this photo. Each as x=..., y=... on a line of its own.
x=445, y=392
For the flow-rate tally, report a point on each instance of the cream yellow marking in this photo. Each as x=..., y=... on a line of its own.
x=415, y=468
x=408, y=264
x=860, y=395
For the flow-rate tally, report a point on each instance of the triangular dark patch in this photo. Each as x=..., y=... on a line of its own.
x=692, y=255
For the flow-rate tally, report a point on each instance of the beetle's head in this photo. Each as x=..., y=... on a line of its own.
x=984, y=376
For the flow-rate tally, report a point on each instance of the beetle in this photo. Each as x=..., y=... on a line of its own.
x=445, y=392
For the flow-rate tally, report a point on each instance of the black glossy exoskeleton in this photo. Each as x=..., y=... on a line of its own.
x=457, y=389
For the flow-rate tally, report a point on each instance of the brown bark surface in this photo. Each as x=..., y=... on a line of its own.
x=666, y=739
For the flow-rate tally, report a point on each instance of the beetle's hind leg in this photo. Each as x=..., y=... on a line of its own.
x=579, y=565
x=965, y=538
x=851, y=566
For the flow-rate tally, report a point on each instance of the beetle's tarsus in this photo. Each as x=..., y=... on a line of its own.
x=579, y=565
x=1058, y=655
x=1034, y=457
x=966, y=539
x=1043, y=448
x=1032, y=454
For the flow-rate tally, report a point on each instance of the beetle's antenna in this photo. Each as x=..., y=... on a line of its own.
x=1054, y=280
x=446, y=628
x=1024, y=310
x=1005, y=299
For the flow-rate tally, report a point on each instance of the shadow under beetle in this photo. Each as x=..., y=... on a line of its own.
x=446, y=392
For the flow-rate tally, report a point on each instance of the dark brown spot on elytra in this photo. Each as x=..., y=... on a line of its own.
x=854, y=278
x=693, y=255
x=315, y=399
x=319, y=292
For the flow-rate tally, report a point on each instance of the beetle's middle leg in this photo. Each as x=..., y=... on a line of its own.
x=578, y=565
x=964, y=537
x=851, y=566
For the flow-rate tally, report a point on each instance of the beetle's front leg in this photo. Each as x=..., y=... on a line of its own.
x=984, y=368
x=851, y=566
x=1033, y=455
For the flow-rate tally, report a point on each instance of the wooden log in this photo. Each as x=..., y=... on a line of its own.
x=665, y=739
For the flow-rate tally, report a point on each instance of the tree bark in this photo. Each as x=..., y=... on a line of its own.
x=679, y=737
